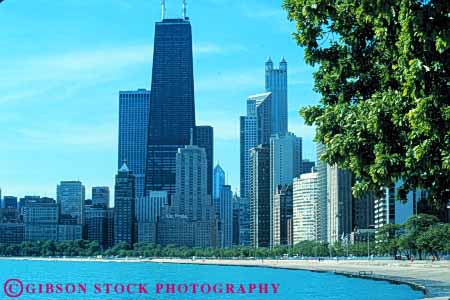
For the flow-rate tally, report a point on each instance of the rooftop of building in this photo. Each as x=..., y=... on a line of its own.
x=167, y=21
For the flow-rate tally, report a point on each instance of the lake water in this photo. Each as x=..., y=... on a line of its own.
x=91, y=280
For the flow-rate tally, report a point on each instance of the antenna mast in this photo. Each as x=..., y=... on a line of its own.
x=163, y=9
x=184, y=9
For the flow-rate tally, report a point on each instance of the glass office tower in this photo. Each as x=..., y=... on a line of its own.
x=134, y=112
x=172, y=111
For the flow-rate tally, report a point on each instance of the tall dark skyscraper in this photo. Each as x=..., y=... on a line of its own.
x=260, y=196
x=172, y=108
x=124, y=207
x=205, y=139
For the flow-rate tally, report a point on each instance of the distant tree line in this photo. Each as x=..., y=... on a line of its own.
x=420, y=236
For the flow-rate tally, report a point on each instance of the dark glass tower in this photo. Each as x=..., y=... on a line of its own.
x=205, y=139
x=124, y=207
x=172, y=111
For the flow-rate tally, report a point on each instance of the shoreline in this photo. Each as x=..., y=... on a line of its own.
x=395, y=272
x=433, y=279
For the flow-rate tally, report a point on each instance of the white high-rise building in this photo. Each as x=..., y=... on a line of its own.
x=191, y=198
x=190, y=220
x=390, y=210
x=321, y=168
x=306, y=208
x=285, y=165
x=339, y=191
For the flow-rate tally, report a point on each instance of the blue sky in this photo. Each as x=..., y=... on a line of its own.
x=62, y=64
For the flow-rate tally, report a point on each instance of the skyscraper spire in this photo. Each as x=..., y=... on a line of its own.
x=184, y=9
x=163, y=9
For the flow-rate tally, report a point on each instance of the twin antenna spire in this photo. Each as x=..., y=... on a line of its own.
x=163, y=9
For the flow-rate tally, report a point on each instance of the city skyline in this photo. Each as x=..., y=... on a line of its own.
x=86, y=152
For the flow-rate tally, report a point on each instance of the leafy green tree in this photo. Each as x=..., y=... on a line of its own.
x=383, y=75
x=48, y=248
x=447, y=246
x=434, y=240
x=387, y=239
x=414, y=228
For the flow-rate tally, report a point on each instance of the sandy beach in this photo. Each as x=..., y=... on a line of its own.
x=433, y=277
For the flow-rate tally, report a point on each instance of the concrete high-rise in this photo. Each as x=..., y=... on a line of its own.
x=148, y=211
x=96, y=224
x=191, y=197
x=276, y=83
x=9, y=215
x=42, y=222
x=388, y=209
x=306, y=210
x=321, y=169
x=41, y=212
x=124, y=207
x=285, y=165
x=100, y=195
x=260, y=196
x=148, y=208
x=172, y=108
x=340, y=200
x=12, y=233
x=248, y=140
x=134, y=112
x=71, y=195
x=205, y=139
x=282, y=216
x=192, y=219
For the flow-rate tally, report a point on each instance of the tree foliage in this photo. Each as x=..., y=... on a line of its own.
x=421, y=234
x=435, y=239
x=387, y=239
x=383, y=75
